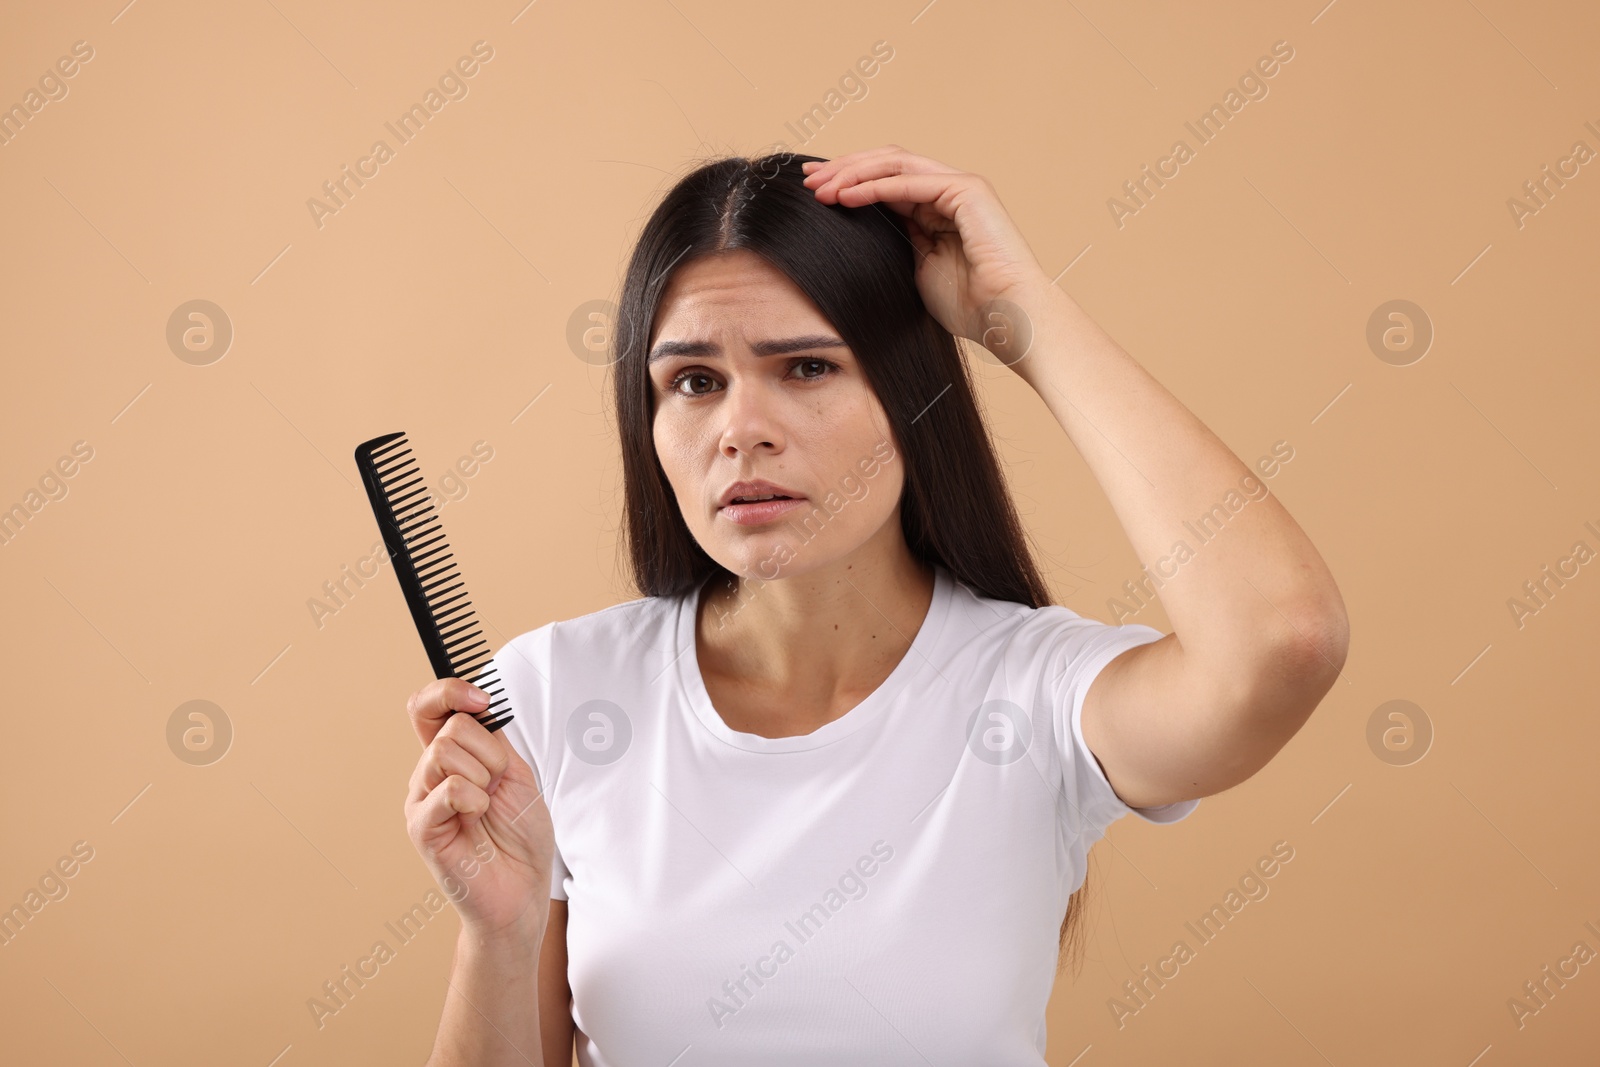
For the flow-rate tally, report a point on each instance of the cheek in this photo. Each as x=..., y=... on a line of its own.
x=677, y=447
x=844, y=423
x=667, y=450
x=883, y=490
x=866, y=485
x=861, y=435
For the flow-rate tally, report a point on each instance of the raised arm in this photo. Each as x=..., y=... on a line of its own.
x=1260, y=629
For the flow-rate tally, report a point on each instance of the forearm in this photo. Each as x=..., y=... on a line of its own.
x=1255, y=585
x=491, y=1008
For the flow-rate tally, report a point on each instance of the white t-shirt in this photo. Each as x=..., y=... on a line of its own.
x=887, y=889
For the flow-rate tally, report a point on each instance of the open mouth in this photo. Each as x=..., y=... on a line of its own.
x=760, y=509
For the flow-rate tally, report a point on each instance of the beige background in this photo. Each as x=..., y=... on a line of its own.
x=180, y=563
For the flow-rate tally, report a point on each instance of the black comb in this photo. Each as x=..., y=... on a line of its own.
x=434, y=591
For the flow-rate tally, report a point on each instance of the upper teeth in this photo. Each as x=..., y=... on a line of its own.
x=753, y=499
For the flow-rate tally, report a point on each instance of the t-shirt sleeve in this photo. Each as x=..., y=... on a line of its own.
x=1080, y=648
x=522, y=669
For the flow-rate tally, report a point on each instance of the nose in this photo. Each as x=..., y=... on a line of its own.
x=752, y=420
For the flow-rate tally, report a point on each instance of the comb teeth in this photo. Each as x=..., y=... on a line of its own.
x=427, y=571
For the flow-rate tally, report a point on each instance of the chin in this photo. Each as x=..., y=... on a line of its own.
x=779, y=554
x=767, y=556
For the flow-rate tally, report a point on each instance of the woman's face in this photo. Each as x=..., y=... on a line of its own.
x=750, y=382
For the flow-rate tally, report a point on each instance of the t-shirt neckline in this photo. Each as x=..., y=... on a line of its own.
x=691, y=684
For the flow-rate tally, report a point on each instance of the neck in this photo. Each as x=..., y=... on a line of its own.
x=825, y=637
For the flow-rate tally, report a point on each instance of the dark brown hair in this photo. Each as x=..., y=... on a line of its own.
x=857, y=265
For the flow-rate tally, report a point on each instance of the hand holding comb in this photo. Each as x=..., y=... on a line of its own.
x=428, y=577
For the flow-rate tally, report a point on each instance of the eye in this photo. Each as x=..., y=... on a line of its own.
x=687, y=375
x=828, y=367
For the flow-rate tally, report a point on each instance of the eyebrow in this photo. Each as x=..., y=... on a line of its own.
x=761, y=348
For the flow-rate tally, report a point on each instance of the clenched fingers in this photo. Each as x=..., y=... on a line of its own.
x=452, y=797
x=431, y=706
x=462, y=746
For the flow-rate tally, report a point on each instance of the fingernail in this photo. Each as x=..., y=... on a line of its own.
x=476, y=693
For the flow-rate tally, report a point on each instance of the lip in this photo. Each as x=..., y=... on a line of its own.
x=758, y=487
x=760, y=514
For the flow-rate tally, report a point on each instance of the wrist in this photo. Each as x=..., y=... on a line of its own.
x=1013, y=323
x=1037, y=297
x=514, y=938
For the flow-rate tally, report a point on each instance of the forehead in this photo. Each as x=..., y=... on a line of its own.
x=732, y=290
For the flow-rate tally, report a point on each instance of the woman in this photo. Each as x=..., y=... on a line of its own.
x=824, y=793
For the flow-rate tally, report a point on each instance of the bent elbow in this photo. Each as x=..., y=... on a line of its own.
x=1323, y=645
x=1291, y=672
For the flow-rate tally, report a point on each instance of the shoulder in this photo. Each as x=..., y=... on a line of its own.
x=993, y=624
x=602, y=637
x=1052, y=643
x=981, y=619
x=540, y=670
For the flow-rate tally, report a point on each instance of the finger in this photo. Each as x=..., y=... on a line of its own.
x=486, y=748
x=444, y=757
x=903, y=192
x=845, y=172
x=828, y=191
x=455, y=797
x=431, y=705
x=878, y=163
x=920, y=240
x=517, y=769
x=831, y=166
